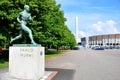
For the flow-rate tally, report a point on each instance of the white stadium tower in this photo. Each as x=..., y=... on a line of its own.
x=76, y=29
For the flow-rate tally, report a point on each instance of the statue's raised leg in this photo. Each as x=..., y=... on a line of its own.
x=17, y=37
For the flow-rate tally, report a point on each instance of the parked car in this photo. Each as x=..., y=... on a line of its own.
x=99, y=48
x=76, y=48
x=1, y=51
x=94, y=46
x=4, y=54
x=117, y=47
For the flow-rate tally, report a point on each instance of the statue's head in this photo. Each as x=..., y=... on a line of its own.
x=27, y=8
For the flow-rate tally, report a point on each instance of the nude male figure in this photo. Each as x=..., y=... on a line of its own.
x=22, y=19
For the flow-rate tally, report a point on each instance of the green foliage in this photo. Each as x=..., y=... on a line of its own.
x=2, y=40
x=48, y=24
x=4, y=63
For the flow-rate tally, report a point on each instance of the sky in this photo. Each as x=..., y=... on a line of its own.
x=95, y=17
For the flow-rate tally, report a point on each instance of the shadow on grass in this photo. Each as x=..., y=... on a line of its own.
x=63, y=74
x=52, y=52
x=3, y=60
x=4, y=63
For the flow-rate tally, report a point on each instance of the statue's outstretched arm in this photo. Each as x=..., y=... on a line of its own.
x=30, y=18
x=19, y=18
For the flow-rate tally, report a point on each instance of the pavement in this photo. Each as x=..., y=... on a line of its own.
x=85, y=64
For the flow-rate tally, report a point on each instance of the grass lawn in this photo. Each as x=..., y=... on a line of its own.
x=5, y=63
x=52, y=53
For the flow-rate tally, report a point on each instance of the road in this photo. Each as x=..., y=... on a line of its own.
x=86, y=64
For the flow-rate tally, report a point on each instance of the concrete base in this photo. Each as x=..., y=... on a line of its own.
x=26, y=62
x=49, y=75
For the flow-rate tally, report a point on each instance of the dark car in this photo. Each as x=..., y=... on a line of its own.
x=4, y=54
x=99, y=48
x=1, y=51
x=76, y=48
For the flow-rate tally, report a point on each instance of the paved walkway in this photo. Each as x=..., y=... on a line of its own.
x=85, y=64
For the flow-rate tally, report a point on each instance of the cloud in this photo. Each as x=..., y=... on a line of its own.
x=99, y=28
x=83, y=34
x=107, y=27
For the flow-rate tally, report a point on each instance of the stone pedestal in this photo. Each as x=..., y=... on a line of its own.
x=26, y=62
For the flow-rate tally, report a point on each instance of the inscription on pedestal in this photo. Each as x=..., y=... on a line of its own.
x=26, y=52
